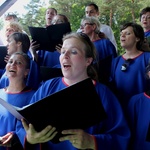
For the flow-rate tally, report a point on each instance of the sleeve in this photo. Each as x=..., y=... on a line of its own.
x=28, y=146
x=33, y=79
x=114, y=131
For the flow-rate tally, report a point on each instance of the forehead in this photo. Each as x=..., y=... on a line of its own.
x=129, y=28
x=50, y=10
x=17, y=57
x=147, y=13
x=9, y=18
x=73, y=42
x=11, y=38
x=89, y=8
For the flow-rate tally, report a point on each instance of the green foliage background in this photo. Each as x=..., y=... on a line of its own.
x=113, y=13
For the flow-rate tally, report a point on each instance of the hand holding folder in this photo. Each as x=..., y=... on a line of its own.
x=49, y=37
x=75, y=107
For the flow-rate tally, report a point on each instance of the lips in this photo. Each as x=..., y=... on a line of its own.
x=66, y=66
x=12, y=71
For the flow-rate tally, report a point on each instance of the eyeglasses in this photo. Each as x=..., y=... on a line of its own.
x=83, y=25
x=126, y=64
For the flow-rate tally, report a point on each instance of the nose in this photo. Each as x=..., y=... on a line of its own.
x=122, y=34
x=81, y=27
x=13, y=63
x=66, y=54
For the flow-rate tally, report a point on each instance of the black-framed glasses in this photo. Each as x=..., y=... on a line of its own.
x=126, y=64
x=83, y=25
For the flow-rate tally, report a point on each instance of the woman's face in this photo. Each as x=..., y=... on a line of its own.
x=12, y=46
x=16, y=67
x=128, y=39
x=73, y=61
x=9, y=31
x=87, y=27
x=145, y=21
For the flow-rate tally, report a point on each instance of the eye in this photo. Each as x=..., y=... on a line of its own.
x=127, y=33
x=18, y=62
x=62, y=51
x=73, y=51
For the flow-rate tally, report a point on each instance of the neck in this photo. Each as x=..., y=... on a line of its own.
x=15, y=88
x=132, y=54
x=94, y=37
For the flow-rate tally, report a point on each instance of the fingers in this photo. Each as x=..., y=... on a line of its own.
x=25, y=125
x=58, y=47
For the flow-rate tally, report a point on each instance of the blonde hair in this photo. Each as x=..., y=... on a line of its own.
x=15, y=25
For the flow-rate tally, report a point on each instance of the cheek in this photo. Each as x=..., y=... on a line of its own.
x=80, y=61
x=60, y=58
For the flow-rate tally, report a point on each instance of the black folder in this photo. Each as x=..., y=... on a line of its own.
x=75, y=107
x=47, y=73
x=3, y=53
x=49, y=37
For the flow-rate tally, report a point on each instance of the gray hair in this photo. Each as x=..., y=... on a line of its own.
x=92, y=20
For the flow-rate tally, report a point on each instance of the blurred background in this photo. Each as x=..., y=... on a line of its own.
x=113, y=12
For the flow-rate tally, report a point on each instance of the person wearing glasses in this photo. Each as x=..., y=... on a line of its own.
x=77, y=56
x=145, y=22
x=91, y=9
x=104, y=47
x=128, y=70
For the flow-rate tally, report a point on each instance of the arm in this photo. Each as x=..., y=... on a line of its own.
x=114, y=130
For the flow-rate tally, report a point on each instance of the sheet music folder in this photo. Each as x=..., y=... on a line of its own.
x=3, y=53
x=75, y=107
x=49, y=37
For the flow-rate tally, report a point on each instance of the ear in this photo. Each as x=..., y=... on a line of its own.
x=137, y=39
x=94, y=26
x=26, y=72
x=148, y=74
x=98, y=14
x=89, y=61
x=19, y=43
